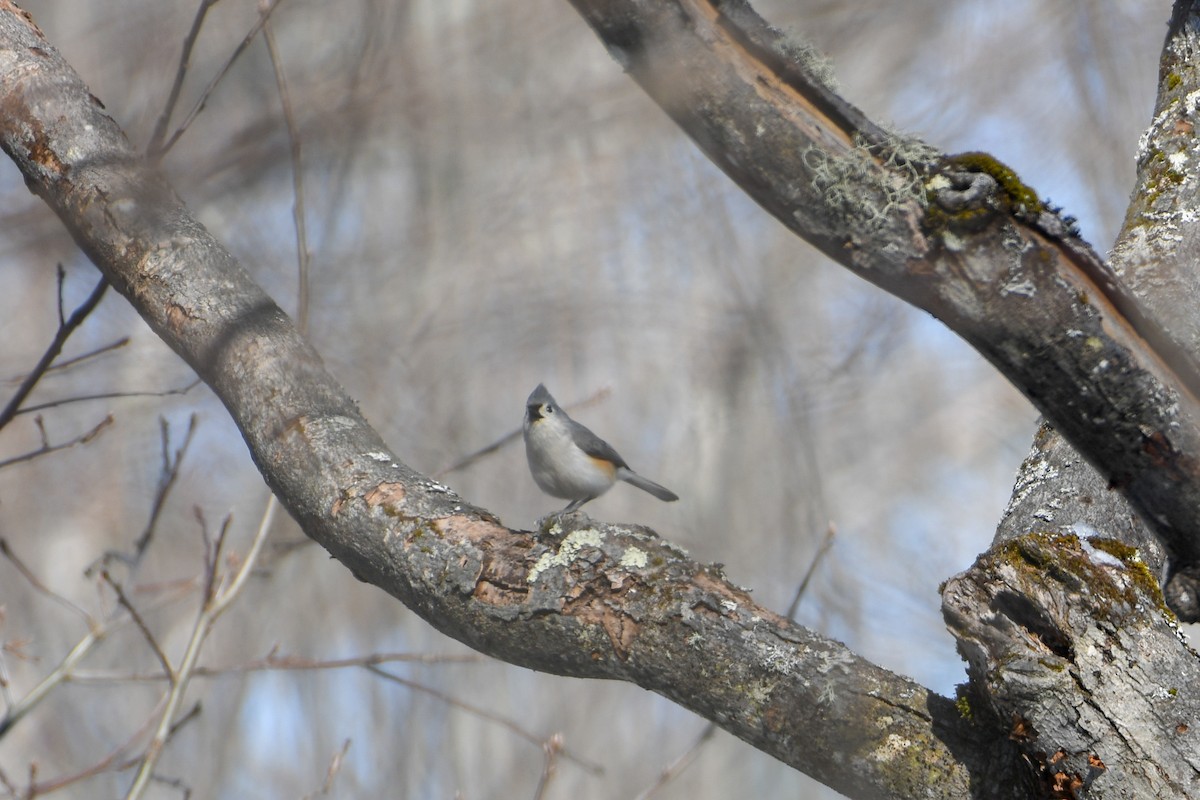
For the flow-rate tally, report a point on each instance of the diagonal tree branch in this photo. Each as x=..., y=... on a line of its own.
x=1060, y=624
x=1038, y=617
x=582, y=599
x=959, y=236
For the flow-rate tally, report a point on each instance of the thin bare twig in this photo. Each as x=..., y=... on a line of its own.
x=26, y=573
x=60, y=276
x=59, y=366
x=166, y=479
x=142, y=626
x=65, y=669
x=103, y=349
x=335, y=767
x=110, y=761
x=48, y=448
x=9, y=786
x=551, y=749
x=83, y=398
x=15, y=713
x=114, y=761
x=14, y=646
x=65, y=328
x=212, y=552
x=212, y=85
x=274, y=663
x=826, y=544
x=303, y=256
x=676, y=767
x=155, y=150
x=482, y=713
x=219, y=596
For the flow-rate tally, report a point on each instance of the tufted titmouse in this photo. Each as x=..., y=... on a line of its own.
x=569, y=461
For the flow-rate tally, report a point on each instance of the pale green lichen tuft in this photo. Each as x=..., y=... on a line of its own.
x=567, y=551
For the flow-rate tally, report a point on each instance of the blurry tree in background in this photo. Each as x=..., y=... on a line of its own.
x=490, y=203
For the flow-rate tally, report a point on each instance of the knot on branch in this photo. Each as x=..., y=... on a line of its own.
x=959, y=191
x=1182, y=593
x=968, y=190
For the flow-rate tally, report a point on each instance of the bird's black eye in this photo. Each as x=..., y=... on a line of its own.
x=549, y=409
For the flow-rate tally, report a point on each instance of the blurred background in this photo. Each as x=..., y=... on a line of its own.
x=491, y=203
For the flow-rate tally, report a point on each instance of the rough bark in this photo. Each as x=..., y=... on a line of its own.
x=577, y=598
x=1064, y=639
x=1067, y=640
x=1063, y=625
x=959, y=236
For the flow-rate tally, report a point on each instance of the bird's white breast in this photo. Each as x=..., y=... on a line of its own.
x=560, y=468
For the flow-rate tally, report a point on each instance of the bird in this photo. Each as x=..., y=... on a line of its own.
x=568, y=461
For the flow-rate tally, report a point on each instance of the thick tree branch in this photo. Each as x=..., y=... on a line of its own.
x=1158, y=249
x=1060, y=624
x=583, y=600
x=1062, y=621
x=959, y=236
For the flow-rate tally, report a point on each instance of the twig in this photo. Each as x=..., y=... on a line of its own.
x=15, y=713
x=111, y=761
x=482, y=713
x=217, y=599
x=212, y=552
x=551, y=747
x=471, y=458
x=60, y=277
x=13, y=646
x=335, y=767
x=83, y=398
x=108, y=762
x=282, y=664
x=155, y=150
x=826, y=543
x=65, y=669
x=26, y=573
x=166, y=480
x=70, y=362
x=303, y=256
x=208, y=90
x=65, y=329
x=177, y=784
x=48, y=448
x=8, y=784
x=142, y=626
x=116, y=344
x=681, y=763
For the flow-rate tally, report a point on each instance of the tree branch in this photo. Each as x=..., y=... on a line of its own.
x=582, y=599
x=959, y=236
x=1061, y=620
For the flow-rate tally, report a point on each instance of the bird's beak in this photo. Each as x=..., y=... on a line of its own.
x=533, y=411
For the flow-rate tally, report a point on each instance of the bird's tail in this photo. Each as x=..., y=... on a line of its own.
x=646, y=485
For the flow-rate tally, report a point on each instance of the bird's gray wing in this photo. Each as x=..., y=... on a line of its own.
x=594, y=446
